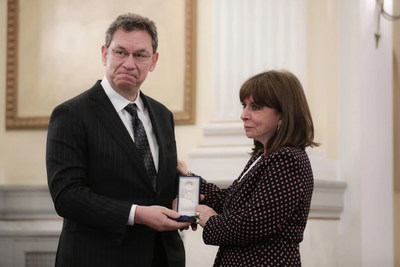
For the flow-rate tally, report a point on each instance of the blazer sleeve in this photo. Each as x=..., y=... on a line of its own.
x=214, y=196
x=266, y=210
x=66, y=161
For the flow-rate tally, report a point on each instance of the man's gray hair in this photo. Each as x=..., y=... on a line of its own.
x=131, y=22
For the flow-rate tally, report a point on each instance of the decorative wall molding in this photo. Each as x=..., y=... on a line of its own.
x=15, y=121
x=326, y=202
x=327, y=199
x=30, y=227
x=26, y=202
x=33, y=202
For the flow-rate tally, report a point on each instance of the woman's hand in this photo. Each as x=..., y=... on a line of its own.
x=182, y=168
x=204, y=212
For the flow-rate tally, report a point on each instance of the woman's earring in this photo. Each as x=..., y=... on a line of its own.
x=278, y=128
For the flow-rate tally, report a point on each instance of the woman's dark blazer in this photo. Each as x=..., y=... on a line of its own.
x=262, y=217
x=95, y=173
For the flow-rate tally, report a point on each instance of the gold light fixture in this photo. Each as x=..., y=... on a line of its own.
x=385, y=15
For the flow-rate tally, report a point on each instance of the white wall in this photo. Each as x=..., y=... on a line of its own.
x=349, y=90
x=365, y=136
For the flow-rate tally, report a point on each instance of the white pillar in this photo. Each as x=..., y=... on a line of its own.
x=250, y=37
x=366, y=135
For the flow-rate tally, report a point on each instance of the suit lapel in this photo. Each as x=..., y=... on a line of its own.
x=105, y=112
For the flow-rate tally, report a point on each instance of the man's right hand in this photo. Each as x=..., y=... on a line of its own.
x=157, y=217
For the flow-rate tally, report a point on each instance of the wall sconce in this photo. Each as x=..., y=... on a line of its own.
x=385, y=15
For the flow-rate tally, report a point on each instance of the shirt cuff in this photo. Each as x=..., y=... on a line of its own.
x=131, y=219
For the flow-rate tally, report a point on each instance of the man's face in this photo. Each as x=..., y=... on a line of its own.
x=128, y=59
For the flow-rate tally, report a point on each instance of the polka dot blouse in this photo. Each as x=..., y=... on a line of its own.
x=262, y=216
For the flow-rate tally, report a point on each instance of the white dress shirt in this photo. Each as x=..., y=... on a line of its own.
x=252, y=165
x=119, y=103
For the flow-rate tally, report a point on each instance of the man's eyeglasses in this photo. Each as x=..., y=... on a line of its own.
x=137, y=56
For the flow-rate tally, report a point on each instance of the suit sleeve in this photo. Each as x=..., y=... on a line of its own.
x=267, y=208
x=66, y=161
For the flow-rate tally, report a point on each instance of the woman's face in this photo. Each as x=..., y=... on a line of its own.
x=259, y=123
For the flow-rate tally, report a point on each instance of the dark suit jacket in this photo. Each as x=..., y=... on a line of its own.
x=95, y=173
x=263, y=215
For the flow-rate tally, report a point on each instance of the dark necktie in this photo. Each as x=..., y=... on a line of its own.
x=142, y=143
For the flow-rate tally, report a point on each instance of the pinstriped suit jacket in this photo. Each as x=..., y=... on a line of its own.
x=95, y=173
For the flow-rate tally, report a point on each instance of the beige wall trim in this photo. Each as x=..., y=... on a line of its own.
x=34, y=202
x=327, y=200
x=26, y=202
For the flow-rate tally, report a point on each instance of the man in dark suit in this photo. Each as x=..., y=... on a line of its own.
x=115, y=201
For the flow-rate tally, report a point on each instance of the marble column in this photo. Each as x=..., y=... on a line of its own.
x=250, y=37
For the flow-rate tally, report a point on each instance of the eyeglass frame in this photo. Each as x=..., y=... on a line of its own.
x=139, y=57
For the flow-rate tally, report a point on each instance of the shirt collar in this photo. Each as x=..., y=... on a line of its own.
x=119, y=102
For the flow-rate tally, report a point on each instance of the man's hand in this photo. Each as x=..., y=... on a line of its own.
x=156, y=217
x=175, y=204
